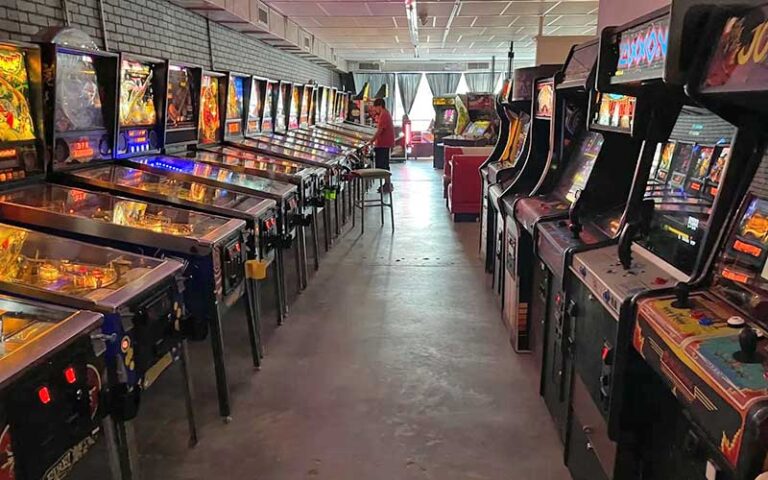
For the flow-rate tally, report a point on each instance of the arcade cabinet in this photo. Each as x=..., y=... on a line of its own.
x=683, y=188
x=583, y=210
x=446, y=116
x=506, y=161
x=511, y=280
x=706, y=341
x=482, y=123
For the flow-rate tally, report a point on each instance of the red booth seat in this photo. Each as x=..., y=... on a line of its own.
x=464, y=190
x=450, y=152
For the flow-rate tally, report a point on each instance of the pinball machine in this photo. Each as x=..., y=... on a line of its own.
x=686, y=183
x=180, y=131
x=214, y=122
x=510, y=279
x=140, y=297
x=293, y=137
x=213, y=248
x=334, y=166
x=304, y=132
x=323, y=119
x=290, y=219
x=583, y=210
x=51, y=374
x=506, y=161
x=705, y=340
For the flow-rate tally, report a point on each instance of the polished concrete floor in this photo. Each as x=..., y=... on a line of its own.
x=393, y=364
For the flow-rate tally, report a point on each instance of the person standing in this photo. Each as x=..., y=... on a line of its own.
x=384, y=138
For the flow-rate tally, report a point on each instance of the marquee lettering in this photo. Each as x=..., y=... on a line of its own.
x=643, y=48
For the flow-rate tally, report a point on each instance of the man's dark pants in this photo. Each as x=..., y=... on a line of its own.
x=381, y=156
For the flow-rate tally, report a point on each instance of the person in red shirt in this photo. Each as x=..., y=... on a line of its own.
x=384, y=138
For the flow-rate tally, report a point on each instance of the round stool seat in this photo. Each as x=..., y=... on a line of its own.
x=372, y=173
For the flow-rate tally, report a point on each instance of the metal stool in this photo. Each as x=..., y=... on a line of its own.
x=362, y=179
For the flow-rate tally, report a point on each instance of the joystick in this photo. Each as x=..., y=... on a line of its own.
x=574, y=214
x=748, y=344
x=682, y=294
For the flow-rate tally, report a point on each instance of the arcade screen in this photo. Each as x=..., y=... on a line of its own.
x=181, y=110
x=615, y=111
x=269, y=96
x=642, y=51
x=137, y=98
x=235, y=97
x=254, y=108
x=448, y=118
x=210, y=120
x=78, y=104
x=682, y=204
x=741, y=274
x=579, y=168
x=293, y=117
x=545, y=97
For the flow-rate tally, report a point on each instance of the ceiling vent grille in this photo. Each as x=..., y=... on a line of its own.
x=263, y=15
x=369, y=66
x=478, y=66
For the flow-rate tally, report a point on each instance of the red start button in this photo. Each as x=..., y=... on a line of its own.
x=660, y=281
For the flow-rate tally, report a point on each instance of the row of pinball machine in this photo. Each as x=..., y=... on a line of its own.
x=625, y=227
x=140, y=200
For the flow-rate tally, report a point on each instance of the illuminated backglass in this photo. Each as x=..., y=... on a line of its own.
x=210, y=111
x=137, y=98
x=254, y=108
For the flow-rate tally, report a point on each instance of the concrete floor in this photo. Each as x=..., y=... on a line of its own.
x=393, y=364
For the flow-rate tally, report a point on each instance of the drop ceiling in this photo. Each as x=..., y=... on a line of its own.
x=376, y=30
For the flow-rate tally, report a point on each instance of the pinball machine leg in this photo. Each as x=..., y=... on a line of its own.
x=125, y=437
x=282, y=303
x=327, y=225
x=315, y=241
x=301, y=257
x=253, y=319
x=189, y=393
x=113, y=448
x=220, y=370
x=337, y=216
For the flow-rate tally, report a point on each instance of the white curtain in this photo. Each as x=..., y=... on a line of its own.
x=484, y=82
x=409, y=85
x=376, y=80
x=443, y=83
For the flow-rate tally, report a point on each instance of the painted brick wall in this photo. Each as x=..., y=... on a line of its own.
x=160, y=29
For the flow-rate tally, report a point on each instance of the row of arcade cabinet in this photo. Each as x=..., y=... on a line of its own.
x=140, y=201
x=625, y=225
x=467, y=120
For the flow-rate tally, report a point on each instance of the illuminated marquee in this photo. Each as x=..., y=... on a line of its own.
x=738, y=61
x=642, y=49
